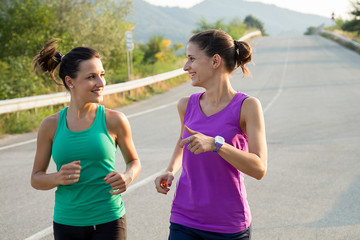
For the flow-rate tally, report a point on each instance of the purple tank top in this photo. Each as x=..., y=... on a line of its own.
x=210, y=194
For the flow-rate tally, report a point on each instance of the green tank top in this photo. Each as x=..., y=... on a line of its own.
x=87, y=202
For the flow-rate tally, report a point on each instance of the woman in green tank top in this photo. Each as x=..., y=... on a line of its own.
x=82, y=139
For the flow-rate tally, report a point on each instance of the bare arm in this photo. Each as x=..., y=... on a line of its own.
x=164, y=181
x=40, y=179
x=252, y=163
x=119, y=127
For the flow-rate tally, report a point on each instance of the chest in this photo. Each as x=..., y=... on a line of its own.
x=79, y=124
x=210, y=109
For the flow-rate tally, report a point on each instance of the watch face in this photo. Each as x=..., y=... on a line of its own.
x=219, y=139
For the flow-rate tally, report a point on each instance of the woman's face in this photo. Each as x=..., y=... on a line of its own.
x=198, y=64
x=90, y=81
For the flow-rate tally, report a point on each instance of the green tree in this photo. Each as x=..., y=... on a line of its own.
x=310, y=30
x=354, y=24
x=100, y=24
x=26, y=25
x=151, y=48
x=236, y=28
x=252, y=22
x=204, y=25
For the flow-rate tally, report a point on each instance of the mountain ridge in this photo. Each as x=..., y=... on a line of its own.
x=177, y=23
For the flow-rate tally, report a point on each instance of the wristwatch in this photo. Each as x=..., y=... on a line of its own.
x=219, y=141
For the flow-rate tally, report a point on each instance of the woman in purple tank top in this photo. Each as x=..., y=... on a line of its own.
x=217, y=144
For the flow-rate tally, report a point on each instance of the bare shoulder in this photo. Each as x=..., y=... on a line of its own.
x=251, y=104
x=251, y=109
x=49, y=125
x=182, y=104
x=114, y=119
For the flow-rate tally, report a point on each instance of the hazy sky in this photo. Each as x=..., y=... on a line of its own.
x=319, y=7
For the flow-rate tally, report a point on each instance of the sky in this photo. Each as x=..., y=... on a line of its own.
x=319, y=7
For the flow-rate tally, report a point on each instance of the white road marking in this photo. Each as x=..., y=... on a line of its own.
x=281, y=87
x=41, y=234
x=18, y=144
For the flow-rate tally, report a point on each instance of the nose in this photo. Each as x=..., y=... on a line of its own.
x=101, y=81
x=186, y=66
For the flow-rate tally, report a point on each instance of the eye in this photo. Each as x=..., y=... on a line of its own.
x=191, y=59
x=91, y=76
x=102, y=75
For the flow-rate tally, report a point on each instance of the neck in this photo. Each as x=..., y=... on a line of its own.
x=79, y=111
x=220, y=91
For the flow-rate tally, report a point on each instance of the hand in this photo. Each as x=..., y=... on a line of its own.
x=69, y=173
x=163, y=182
x=118, y=182
x=198, y=142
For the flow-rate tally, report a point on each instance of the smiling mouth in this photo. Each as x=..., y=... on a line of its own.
x=98, y=92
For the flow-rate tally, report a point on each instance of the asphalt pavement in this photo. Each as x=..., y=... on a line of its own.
x=309, y=88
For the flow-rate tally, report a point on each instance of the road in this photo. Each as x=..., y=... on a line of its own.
x=310, y=90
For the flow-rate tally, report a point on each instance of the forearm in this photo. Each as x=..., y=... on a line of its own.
x=44, y=181
x=249, y=163
x=176, y=159
x=133, y=169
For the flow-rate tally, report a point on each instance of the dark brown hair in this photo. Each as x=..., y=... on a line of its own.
x=235, y=53
x=49, y=58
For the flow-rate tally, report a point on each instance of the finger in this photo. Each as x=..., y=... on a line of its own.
x=117, y=184
x=170, y=180
x=69, y=179
x=72, y=166
x=191, y=147
x=190, y=131
x=109, y=175
x=198, y=150
x=119, y=188
x=75, y=165
x=117, y=192
x=184, y=141
x=163, y=190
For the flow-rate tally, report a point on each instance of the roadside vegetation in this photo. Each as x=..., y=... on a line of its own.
x=26, y=25
x=349, y=29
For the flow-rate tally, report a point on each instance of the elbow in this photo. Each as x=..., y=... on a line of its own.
x=140, y=167
x=260, y=173
x=33, y=183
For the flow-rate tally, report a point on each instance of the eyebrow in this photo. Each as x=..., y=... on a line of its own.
x=103, y=71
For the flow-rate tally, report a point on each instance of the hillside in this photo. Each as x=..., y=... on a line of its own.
x=176, y=24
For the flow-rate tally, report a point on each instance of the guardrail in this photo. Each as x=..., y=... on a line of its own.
x=339, y=38
x=250, y=35
x=19, y=104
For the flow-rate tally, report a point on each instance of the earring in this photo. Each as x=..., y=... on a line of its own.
x=71, y=86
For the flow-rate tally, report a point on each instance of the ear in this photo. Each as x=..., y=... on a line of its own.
x=216, y=61
x=69, y=82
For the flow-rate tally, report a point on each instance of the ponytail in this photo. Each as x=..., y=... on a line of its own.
x=243, y=55
x=48, y=59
